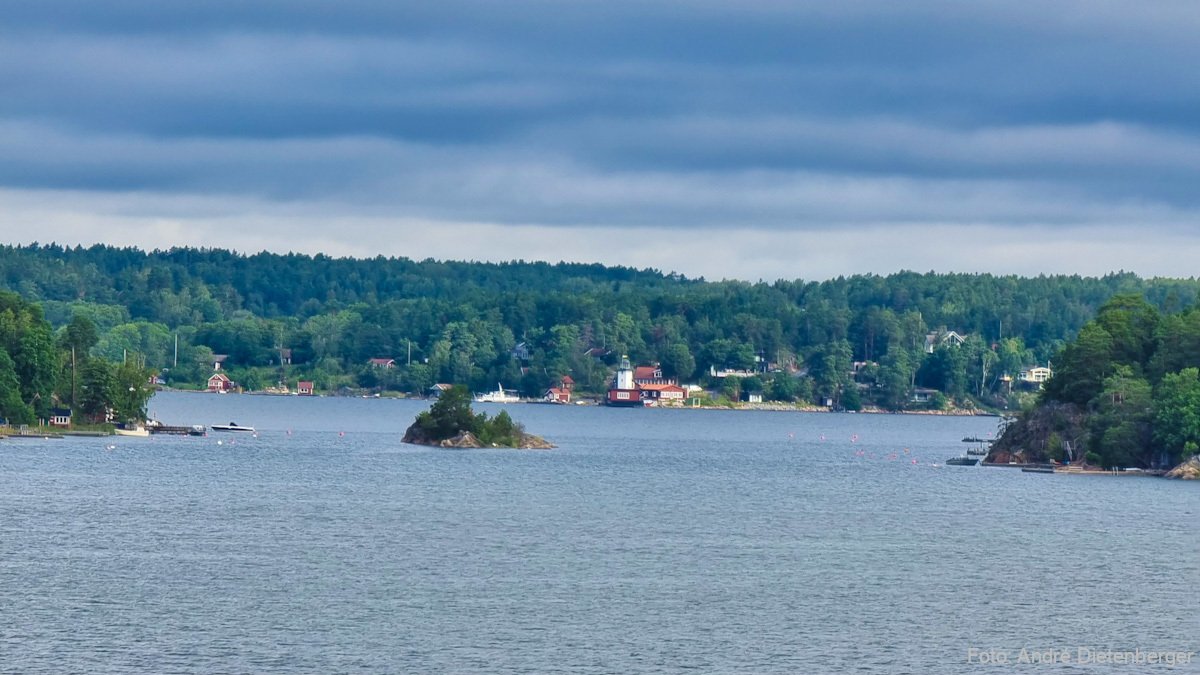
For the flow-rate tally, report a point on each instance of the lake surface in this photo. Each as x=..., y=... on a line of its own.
x=649, y=541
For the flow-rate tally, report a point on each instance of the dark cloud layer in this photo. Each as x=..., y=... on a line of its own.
x=753, y=116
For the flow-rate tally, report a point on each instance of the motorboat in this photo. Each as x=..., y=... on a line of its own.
x=498, y=396
x=134, y=430
x=232, y=426
x=962, y=461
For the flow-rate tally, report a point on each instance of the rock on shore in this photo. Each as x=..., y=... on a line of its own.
x=1189, y=470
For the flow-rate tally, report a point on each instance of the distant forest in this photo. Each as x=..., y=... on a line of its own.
x=864, y=339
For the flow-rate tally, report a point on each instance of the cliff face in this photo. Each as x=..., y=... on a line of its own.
x=1042, y=435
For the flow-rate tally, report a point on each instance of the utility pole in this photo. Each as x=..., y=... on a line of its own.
x=73, y=405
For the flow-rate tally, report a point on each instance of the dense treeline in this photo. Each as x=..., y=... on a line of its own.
x=1126, y=393
x=40, y=372
x=525, y=324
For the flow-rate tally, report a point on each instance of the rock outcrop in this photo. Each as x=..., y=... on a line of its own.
x=1040, y=436
x=1189, y=470
x=466, y=440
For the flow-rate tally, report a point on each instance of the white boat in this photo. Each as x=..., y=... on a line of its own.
x=498, y=396
x=136, y=430
x=232, y=426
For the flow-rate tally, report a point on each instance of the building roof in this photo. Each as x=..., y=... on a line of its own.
x=380, y=362
x=566, y=379
x=646, y=373
x=661, y=387
x=220, y=376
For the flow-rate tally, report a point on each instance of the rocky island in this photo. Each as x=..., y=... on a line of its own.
x=450, y=423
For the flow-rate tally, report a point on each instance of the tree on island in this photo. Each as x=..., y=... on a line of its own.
x=451, y=422
x=1126, y=393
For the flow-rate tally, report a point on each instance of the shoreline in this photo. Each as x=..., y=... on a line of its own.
x=767, y=407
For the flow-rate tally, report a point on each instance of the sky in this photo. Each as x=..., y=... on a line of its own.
x=756, y=139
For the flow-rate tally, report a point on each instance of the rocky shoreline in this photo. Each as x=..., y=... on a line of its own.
x=466, y=440
x=1189, y=470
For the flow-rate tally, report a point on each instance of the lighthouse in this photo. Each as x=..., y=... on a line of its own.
x=624, y=392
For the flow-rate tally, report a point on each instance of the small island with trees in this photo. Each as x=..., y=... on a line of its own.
x=450, y=423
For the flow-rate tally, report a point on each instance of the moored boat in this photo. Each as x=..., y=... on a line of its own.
x=962, y=461
x=135, y=430
x=232, y=426
x=499, y=396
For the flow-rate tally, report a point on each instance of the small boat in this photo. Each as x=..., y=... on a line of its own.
x=232, y=426
x=962, y=461
x=972, y=439
x=135, y=430
x=498, y=396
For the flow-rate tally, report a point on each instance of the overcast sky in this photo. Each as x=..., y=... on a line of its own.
x=755, y=139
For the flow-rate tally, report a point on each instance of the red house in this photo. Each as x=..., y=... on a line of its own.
x=304, y=388
x=219, y=383
x=662, y=392
x=558, y=395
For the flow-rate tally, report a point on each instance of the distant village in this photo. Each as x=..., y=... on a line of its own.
x=647, y=385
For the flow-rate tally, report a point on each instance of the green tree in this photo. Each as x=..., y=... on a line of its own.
x=677, y=362
x=1119, y=427
x=450, y=414
x=79, y=336
x=130, y=392
x=97, y=390
x=1177, y=415
x=12, y=408
x=1082, y=367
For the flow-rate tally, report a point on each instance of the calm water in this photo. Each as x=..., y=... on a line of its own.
x=650, y=541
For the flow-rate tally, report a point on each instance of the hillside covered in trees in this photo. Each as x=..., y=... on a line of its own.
x=280, y=318
x=1126, y=393
x=41, y=371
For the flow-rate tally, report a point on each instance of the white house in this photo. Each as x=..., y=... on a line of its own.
x=942, y=337
x=1036, y=375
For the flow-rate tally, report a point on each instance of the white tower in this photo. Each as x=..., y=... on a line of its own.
x=624, y=374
